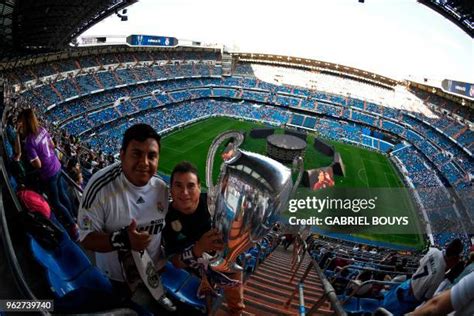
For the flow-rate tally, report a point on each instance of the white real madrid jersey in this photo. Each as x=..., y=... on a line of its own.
x=110, y=202
x=429, y=275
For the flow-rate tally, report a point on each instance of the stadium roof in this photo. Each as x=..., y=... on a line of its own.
x=38, y=26
x=460, y=12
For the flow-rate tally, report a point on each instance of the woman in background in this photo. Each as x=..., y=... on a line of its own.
x=40, y=152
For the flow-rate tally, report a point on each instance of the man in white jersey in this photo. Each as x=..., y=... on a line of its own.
x=424, y=282
x=124, y=207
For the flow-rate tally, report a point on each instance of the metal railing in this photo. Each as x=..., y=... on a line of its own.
x=300, y=250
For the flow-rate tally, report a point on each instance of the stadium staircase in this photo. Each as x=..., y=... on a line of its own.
x=99, y=83
x=33, y=74
x=56, y=91
x=76, y=85
x=461, y=132
x=117, y=77
x=270, y=287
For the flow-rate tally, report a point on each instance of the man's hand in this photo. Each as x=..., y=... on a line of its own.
x=210, y=241
x=138, y=240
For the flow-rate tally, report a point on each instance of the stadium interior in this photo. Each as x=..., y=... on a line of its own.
x=87, y=96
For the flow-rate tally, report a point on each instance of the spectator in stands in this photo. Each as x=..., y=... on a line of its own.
x=460, y=299
x=122, y=213
x=277, y=227
x=88, y=163
x=288, y=240
x=451, y=275
x=189, y=234
x=421, y=287
x=325, y=256
x=13, y=145
x=110, y=159
x=356, y=286
x=41, y=154
x=468, y=269
x=13, y=150
x=402, y=267
x=73, y=169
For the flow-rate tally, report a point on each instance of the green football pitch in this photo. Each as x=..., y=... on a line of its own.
x=365, y=169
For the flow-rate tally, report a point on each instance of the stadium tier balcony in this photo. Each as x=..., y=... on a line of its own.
x=374, y=108
x=44, y=70
x=87, y=83
x=83, y=84
x=390, y=113
x=442, y=103
x=77, y=127
x=393, y=127
x=329, y=109
x=64, y=89
x=126, y=107
x=107, y=79
x=337, y=99
x=145, y=103
x=184, y=112
x=297, y=120
x=363, y=118
x=356, y=103
x=308, y=104
x=287, y=101
x=243, y=70
x=88, y=62
x=466, y=138
x=254, y=95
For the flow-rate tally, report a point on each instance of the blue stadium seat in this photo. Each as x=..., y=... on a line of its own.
x=183, y=286
x=75, y=282
x=173, y=278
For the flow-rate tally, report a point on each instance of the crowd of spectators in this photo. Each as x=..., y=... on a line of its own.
x=96, y=97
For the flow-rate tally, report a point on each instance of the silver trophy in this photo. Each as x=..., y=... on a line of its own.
x=252, y=190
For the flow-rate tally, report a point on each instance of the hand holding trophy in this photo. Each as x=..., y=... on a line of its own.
x=252, y=190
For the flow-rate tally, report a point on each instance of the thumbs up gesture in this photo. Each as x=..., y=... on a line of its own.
x=138, y=240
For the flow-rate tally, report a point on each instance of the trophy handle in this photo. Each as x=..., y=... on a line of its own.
x=211, y=190
x=298, y=166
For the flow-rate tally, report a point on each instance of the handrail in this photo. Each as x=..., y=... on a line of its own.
x=297, y=260
x=329, y=292
x=70, y=181
x=68, y=178
x=302, y=309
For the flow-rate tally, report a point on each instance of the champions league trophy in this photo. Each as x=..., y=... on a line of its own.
x=252, y=190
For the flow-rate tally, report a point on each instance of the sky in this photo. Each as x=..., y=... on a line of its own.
x=401, y=39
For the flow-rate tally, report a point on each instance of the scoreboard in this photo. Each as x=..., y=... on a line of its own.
x=463, y=89
x=151, y=40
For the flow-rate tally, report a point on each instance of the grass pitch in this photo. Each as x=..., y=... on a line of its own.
x=364, y=169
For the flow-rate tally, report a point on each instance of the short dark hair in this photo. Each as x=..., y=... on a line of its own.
x=184, y=167
x=454, y=248
x=140, y=132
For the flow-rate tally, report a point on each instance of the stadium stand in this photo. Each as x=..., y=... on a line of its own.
x=87, y=101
